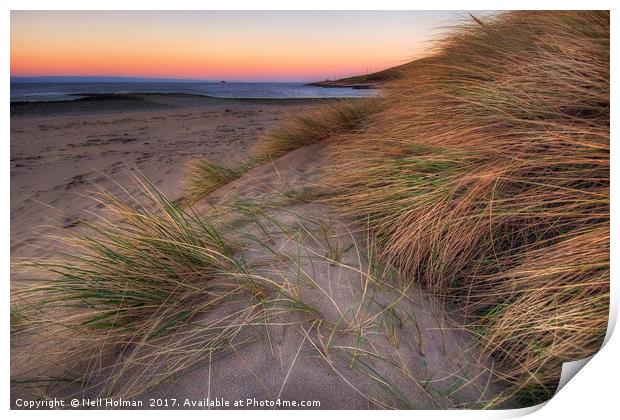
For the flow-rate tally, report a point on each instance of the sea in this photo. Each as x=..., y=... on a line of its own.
x=61, y=91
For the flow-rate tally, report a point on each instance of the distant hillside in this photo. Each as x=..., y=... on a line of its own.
x=370, y=80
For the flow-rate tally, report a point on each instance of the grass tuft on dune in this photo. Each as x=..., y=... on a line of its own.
x=147, y=280
x=203, y=176
x=311, y=127
x=485, y=178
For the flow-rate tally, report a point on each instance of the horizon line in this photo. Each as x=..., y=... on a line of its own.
x=149, y=78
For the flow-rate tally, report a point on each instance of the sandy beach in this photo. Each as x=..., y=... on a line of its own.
x=59, y=149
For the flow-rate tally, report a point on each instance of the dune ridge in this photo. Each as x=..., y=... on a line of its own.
x=485, y=177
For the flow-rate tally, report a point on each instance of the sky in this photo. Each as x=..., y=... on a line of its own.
x=220, y=45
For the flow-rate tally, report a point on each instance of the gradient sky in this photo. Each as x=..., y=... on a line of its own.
x=219, y=45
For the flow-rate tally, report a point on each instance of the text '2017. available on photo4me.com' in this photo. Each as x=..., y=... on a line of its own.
x=306, y=209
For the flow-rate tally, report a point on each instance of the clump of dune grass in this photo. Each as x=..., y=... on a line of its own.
x=202, y=176
x=147, y=280
x=313, y=126
x=130, y=265
x=485, y=177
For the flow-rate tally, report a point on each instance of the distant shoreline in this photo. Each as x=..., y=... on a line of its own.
x=57, y=92
x=91, y=103
x=87, y=96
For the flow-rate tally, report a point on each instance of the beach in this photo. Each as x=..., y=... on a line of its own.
x=60, y=151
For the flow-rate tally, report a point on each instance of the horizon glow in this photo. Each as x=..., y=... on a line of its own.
x=291, y=46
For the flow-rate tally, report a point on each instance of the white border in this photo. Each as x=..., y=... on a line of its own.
x=308, y=5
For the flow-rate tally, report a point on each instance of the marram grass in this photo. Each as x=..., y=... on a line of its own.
x=139, y=260
x=203, y=176
x=140, y=281
x=313, y=126
x=485, y=177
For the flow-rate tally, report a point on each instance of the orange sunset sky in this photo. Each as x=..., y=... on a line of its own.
x=219, y=45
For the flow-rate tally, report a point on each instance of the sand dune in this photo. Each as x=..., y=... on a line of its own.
x=419, y=356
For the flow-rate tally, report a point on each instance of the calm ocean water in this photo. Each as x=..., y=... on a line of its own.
x=40, y=92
